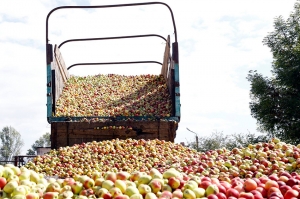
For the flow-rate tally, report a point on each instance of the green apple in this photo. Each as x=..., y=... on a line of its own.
x=115, y=191
x=42, y=181
x=130, y=183
x=25, y=175
x=82, y=178
x=153, y=171
x=144, y=189
x=13, y=177
x=211, y=189
x=144, y=179
x=189, y=194
x=191, y=184
x=166, y=187
x=136, y=196
x=53, y=187
x=10, y=186
x=196, y=179
x=121, y=184
x=200, y=192
x=41, y=186
x=77, y=187
x=65, y=195
x=108, y=184
x=20, y=190
x=19, y=197
x=150, y=196
x=96, y=174
x=38, y=190
x=100, y=192
x=157, y=176
x=50, y=180
x=25, y=182
x=16, y=170
x=34, y=177
x=66, y=188
x=131, y=190
x=172, y=172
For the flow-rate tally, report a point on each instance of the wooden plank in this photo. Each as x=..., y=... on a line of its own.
x=136, y=124
x=61, y=64
x=164, y=68
x=86, y=132
x=61, y=72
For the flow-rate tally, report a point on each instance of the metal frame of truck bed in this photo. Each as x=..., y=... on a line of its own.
x=57, y=75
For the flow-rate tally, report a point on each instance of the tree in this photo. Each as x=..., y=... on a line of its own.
x=43, y=141
x=11, y=143
x=218, y=140
x=275, y=101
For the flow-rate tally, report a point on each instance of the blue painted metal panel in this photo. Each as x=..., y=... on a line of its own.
x=177, y=90
x=49, y=94
x=119, y=118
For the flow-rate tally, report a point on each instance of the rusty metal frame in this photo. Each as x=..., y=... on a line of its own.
x=107, y=38
x=106, y=6
x=109, y=63
x=111, y=6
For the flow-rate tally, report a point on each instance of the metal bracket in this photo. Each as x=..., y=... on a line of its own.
x=48, y=94
x=177, y=94
x=49, y=53
x=49, y=84
x=176, y=84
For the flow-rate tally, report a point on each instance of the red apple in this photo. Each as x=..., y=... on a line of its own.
x=232, y=192
x=246, y=195
x=50, y=195
x=2, y=182
x=291, y=194
x=212, y=196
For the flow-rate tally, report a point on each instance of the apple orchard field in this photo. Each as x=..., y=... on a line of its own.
x=150, y=169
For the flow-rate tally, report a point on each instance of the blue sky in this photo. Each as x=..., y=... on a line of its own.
x=219, y=42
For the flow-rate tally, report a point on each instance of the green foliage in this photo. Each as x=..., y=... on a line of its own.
x=11, y=143
x=218, y=140
x=43, y=141
x=30, y=152
x=275, y=100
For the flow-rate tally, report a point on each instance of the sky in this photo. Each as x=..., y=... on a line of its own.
x=219, y=42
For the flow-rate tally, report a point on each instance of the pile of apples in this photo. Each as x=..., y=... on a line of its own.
x=112, y=155
x=253, y=161
x=114, y=95
x=23, y=183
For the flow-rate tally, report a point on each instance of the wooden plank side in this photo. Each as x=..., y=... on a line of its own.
x=61, y=72
x=164, y=68
x=61, y=64
x=86, y=132
x=59, y=84
x=133, y=124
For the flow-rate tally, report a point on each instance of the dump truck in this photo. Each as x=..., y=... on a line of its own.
x=67, y=130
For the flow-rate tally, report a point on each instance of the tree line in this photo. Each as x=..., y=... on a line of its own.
x=11, y=143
